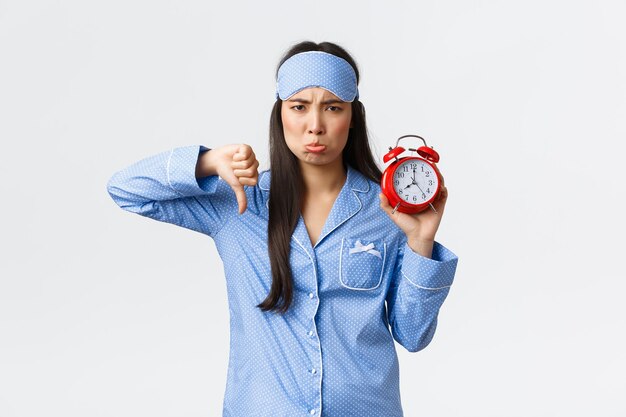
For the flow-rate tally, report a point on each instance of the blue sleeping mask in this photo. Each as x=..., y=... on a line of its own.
x=317, y=69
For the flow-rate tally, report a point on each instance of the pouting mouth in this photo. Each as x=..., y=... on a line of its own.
x=316, y=148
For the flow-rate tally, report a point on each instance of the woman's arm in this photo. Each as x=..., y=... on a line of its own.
x=422, y=276
x=181, y=187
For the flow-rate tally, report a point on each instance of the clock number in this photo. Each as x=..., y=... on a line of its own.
x=397, y=182
x=413, y=166
x=400, y=174
x=422, y=168
x=428, y=173
x=401, y=192
x=430, y=182
x=423, y=196
x=428, y=190
x=414, y=198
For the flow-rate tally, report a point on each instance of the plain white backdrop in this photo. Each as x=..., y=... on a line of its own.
x=106, y=313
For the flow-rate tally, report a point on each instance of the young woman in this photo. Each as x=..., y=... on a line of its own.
x=321, y=275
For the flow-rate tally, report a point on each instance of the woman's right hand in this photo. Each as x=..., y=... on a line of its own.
x=235, y=164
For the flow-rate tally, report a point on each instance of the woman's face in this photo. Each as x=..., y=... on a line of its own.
x=316, y=124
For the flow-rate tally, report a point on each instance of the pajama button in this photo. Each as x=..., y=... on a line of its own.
x=313, y=371
x=310, y=295
x=310, y=332
x=312, y=412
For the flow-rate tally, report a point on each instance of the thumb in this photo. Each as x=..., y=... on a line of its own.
x=242, y=201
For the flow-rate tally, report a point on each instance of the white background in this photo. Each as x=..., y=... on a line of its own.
x=106, y=313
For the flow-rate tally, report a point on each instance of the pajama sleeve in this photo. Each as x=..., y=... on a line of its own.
x=418, y=289
x=164, y=187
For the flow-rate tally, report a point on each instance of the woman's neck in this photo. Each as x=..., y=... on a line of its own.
x=323, y=180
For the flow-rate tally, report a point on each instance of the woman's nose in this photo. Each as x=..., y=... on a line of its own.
x=316, y=124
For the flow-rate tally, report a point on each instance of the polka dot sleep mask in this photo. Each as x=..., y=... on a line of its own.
x=316, y=69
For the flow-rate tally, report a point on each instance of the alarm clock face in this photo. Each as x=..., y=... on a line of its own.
x=415, y=181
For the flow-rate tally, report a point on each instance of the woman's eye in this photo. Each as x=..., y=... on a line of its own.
x=298, y=107
x=334, y=108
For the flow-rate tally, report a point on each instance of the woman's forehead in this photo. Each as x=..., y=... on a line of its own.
x=315, y=94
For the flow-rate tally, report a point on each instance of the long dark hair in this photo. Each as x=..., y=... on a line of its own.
x=286, y=179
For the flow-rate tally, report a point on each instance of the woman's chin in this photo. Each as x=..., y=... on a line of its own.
x=316, y=159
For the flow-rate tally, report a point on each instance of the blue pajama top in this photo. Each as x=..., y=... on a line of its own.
x=354, y=292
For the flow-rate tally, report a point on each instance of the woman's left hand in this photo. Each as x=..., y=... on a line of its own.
x=422, y=226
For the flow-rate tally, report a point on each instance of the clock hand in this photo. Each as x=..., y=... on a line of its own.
x=431, y=204
x=418, y=186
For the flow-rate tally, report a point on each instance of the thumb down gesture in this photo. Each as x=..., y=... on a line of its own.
x=237, y=165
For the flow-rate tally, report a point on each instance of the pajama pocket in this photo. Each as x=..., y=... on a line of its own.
x=361, y=263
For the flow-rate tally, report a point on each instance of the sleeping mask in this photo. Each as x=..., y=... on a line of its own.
x=317, y=69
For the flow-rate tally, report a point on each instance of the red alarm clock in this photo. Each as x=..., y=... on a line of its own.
x=411, y=183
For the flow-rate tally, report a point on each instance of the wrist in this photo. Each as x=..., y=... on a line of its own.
x=207, y=163
x=421, y=245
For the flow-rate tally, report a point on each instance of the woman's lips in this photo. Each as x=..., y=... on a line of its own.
x=316, y=148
